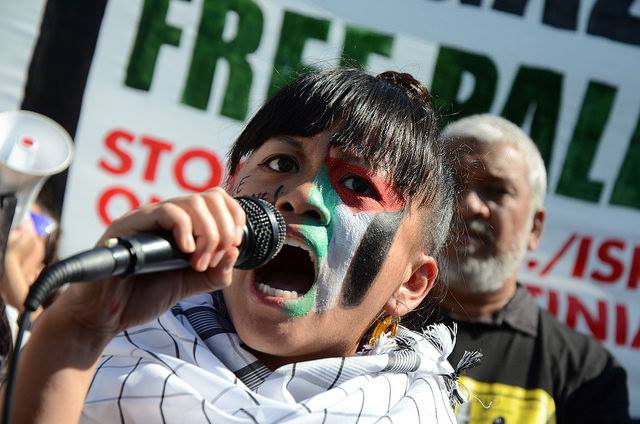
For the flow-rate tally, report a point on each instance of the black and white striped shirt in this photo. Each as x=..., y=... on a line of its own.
x=188, y=365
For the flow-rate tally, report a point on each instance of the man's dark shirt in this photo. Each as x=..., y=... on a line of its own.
x=536, y=370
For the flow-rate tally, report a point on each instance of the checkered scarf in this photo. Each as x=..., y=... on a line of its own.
x=190, y=366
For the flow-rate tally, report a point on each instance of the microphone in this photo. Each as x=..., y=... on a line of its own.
x=145, y=253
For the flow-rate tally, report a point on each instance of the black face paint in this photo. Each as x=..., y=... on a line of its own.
x=261, y=195
x=370, y=256
x=236, y=191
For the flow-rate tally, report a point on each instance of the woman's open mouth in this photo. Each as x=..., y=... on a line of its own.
x=290, y=275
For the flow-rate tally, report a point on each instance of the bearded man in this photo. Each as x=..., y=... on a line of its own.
x=534, y=369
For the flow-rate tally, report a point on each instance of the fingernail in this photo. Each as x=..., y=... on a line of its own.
x=190, y=243
x=215, y=260
x=203, y=263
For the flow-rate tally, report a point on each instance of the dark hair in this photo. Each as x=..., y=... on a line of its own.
x=386, y=121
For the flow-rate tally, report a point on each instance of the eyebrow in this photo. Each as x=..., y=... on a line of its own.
x=358, y=161
x=498, y=174
x=496, y=179
x=344, y=156
x=289, y=140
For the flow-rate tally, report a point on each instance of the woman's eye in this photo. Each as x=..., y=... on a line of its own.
x=358, y=185
x=281, y=164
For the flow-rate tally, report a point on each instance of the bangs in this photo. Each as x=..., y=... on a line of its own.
x=374, y=121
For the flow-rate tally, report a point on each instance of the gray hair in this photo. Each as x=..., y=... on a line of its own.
x=493, y=129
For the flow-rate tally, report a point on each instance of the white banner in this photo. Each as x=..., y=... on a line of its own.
x=19, y=23
x=173, y=81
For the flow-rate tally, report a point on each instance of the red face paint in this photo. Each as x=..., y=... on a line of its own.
x=386, y=197
x=231, y=181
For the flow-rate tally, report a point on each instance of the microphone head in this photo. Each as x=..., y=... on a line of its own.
x=264, y=234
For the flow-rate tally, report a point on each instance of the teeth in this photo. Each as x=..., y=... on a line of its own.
x=271, y=291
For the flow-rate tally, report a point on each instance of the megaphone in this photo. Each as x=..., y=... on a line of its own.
x=32, y=148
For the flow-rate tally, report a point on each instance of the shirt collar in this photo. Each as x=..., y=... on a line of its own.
x=520, y=313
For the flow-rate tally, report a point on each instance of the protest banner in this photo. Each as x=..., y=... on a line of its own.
x=171, y=83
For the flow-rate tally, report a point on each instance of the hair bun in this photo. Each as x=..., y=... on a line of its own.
x=408, y=82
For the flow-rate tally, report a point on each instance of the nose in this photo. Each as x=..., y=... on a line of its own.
x=472, y=205
x=306, y=201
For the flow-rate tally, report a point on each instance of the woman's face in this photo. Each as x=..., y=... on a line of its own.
x=352, y=250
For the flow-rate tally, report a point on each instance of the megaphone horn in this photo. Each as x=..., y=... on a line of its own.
x=32, y=148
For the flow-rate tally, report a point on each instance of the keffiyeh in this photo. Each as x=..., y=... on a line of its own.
x=189, y=365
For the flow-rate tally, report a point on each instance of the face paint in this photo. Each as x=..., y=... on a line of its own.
x=361, y=228
x=240, y=183
x=370, y=256
x=383, y=198
x=317, y=237
x=301, y=307
x=231, y=186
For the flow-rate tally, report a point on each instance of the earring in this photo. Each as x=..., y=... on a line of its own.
x=388, y=325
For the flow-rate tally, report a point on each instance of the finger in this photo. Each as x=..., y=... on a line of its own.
x=205, y=231
x=160, y=216
x=134, y=221
x=224, y=220
x=222, y=275
x=175, y=219
x=239, y=218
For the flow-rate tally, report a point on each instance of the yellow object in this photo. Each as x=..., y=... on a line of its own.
x=496, y=402
x=387, y=325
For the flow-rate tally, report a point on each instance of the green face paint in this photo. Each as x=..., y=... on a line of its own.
x=323, y=197
x=302, y=306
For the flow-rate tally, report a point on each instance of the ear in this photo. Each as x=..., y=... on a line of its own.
x=536, y=229
x=411, y=292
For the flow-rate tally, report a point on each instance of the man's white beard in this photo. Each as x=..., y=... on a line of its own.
x=468, y=274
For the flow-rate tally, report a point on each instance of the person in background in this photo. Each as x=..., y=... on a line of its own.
x=31, y=246
x=534, y=370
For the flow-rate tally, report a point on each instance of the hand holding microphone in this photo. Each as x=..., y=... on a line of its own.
x=212, y=232
x=261, y=239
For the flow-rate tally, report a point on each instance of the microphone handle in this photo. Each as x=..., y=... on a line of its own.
x=142, y=253
x=146, y=253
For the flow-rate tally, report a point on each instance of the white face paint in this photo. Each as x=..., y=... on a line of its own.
x=335, y=244
x=348, y=229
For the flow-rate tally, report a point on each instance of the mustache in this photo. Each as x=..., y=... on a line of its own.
x=476, y=229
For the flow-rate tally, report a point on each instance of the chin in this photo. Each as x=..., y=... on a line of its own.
x=279, y=340
x=481, y=275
